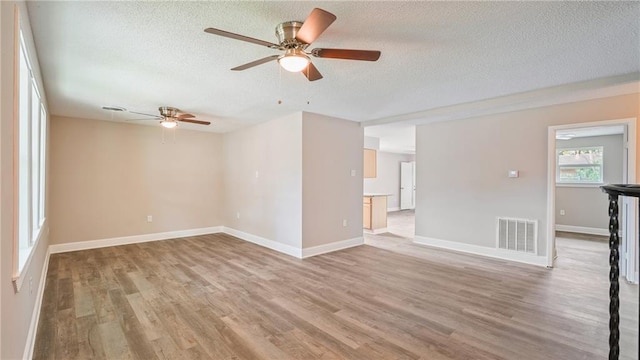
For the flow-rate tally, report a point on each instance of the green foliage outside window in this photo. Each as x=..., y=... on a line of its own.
x=582, y=165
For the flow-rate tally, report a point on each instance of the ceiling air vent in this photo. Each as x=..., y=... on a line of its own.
x=517, y=234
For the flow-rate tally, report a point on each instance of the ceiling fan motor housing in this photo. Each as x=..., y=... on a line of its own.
x=167, y=111
x=286, y=33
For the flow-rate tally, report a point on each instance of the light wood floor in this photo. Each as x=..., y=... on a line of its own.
x=217, y=297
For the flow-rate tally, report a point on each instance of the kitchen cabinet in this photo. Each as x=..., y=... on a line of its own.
x=370, y=163
x=366, y=213
x=374, y=213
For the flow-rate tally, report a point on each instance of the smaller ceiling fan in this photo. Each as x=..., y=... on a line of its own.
x=169, y=116
x=294, y=37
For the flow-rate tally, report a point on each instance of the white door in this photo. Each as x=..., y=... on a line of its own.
x=406, y=186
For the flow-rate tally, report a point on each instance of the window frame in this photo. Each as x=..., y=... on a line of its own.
x=574, y=183
x=30, y=118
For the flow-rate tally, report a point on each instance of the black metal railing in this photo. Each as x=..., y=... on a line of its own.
x=614, y=191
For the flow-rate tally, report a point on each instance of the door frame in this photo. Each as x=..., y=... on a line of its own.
x=551, y=181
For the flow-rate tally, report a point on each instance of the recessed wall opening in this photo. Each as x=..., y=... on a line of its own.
x=389, y=196
x=583, y=157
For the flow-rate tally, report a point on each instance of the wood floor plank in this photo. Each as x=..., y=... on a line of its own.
x=217, y=297
x=137, y=341
x=259, y=345
x=152, y=326
x=83, y=300
x=179, y=332
x=66, y=339
x=65, y=293
x=89, y=338
x=205, y=333
x=115, y=343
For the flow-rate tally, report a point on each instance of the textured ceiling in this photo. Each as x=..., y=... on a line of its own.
x=141, y=55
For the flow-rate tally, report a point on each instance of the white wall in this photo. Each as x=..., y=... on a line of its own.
x=387, y=180
x=585, y=206
x=270, y=204
x=106, y=177
x=462, y=169
x=304, y=189
x=371, y=143
x=18, y=309
x=331, y=149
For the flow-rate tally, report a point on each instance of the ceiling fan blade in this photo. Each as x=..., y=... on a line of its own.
x=347, y=54
x=315, y=24
x=139, y=113
x=241, y=37
x=142, y=119
x=256, y=63
x=184, y=116
x=194, y=121
x=312, y=73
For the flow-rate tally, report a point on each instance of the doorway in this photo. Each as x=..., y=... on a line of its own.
x=581, y=158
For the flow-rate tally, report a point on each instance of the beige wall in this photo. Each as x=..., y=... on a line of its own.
x=387, y=180
x=586, y=206
x=2, y=168
x=106, y=177
x=331, y=148
x=270, y=204
x=462, y=168
x=17, y=309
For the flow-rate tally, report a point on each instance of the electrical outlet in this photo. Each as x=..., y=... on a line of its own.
x=344, y=222
x=257, y=174
x=30, y=285
x=562, y=212
x=353, y=172
x=149, y=218
x=238, y=215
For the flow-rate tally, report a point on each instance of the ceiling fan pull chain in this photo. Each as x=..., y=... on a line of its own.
x=279, y=85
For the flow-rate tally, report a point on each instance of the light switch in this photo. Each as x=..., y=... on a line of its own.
x=514, y=173
x=353, y=172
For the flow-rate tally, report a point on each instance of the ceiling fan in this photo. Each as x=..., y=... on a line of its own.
x=169, y=116
x=294, y=37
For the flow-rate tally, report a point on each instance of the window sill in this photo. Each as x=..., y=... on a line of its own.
x=19, y=276
x=595, y=185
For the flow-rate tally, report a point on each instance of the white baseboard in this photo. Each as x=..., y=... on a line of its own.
x=35, y=317
x=331, y=247
x=94, y=244
x=258, y=240
x=392, y=209
x=583, y=230
x=269, y=244
x=376, y=231
x=483, y=251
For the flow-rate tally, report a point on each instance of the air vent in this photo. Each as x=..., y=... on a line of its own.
x=517, y=234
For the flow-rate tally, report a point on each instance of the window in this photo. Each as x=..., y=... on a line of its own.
x=580, y=165
x=30, y=160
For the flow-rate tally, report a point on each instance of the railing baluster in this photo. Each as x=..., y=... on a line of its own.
x=614, y=286
x=614, y=192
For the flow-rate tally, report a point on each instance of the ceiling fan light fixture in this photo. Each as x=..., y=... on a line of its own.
x=294, y=60
x=169, y=124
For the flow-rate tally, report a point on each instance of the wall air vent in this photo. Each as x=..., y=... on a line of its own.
x=517, y=234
